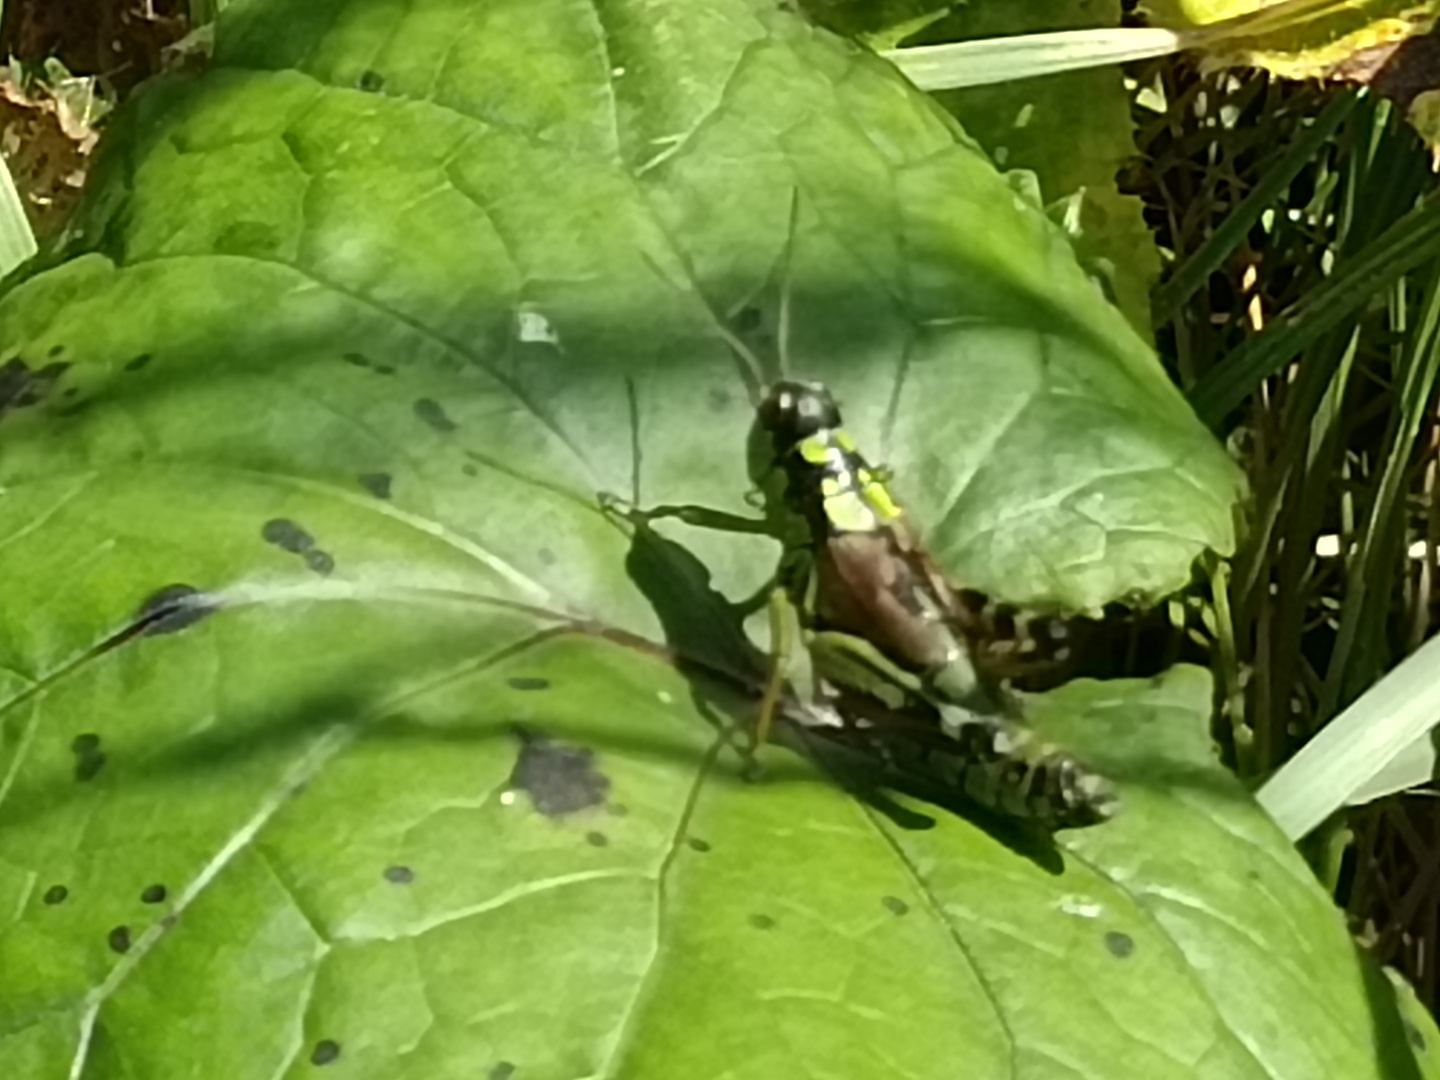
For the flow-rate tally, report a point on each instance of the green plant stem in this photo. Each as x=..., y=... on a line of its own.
x=1372, y=569
x=1218, y=247
x=1410, y=241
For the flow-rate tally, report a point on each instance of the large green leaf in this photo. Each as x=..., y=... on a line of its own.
x=1073, y=131
x=338, y=725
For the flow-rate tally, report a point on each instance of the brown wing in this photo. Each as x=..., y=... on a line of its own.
x=1008, y=644
x=865, y=585
x=884, y=586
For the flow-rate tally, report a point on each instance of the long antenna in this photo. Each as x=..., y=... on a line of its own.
x=783, y=330
x=752, y=372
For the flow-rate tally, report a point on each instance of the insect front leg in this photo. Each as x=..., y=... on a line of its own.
x=700, y=516
x=784, y=627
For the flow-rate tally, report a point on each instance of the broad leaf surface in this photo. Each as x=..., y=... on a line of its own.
x=1072, y=131
x=371, y=314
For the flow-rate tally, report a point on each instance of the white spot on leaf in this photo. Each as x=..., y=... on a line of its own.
x=531, y=327
x=1081, y=906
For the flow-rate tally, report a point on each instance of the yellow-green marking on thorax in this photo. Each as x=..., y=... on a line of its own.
x=854, y=498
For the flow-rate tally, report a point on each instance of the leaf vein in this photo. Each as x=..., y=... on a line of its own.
x=620, y=1036
x=937, y=910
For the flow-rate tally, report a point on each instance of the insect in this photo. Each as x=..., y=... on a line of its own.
x=900, y=664
x=858, y=568
x=996, y=762
x=882, y=620
x=897, y=664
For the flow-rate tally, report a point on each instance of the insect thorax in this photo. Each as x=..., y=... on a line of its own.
x=826, y=479
x=834, y=487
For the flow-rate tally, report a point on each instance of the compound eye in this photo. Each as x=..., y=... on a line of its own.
x=813, y=408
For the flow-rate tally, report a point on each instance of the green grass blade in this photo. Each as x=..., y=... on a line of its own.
x=17, y=242
x=1218, y=247
x=1022, y=56
x=1411, y=767
x=1410, y=241
x=986, y=61
x=1350, y=753
x=1355, y=660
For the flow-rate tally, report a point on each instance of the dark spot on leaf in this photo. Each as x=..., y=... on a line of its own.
x=320, y=561
x=119, y=939
x=399, y=875
x=895, y=905
x=169, y=920
x=358, y=359
x=324, y=1052
x=469, y=470
x=527, y=682
x=618, y=810
x=138, y=362
x=372, y=82
x=1414, y=1034
x=559, y=779
x=696, y=844
x=597, y=839
x=153, y=894
x=502, y=1071
x=89, y=759
x=719, y=399
x=377, y=483
x=86, y=769
x=384, y=369
x=761, y=921
x=286, y=535
x=546, y=556
x=1120, y=945
x=70, y=392
x=21, y=387
x=248, y=238
x=174, y=608
x=433, y=415
x=56, y=350
x=747, y=319
x=55, y=894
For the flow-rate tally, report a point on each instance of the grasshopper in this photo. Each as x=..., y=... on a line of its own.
x=881, y=624
x=901, y=664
